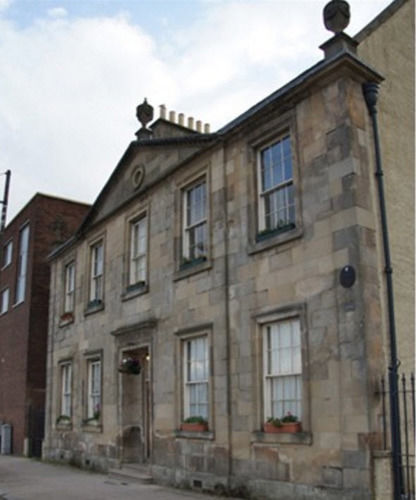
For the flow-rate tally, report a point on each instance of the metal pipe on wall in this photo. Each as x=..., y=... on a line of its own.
x=370, y=91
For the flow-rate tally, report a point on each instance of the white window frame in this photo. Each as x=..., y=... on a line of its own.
x=285, y=187
x=69, y=296
x=22, y=264
x=7, y=254
x=97, y=271
x=94, y=387
x=4, y=300
x=66, y=389
x=280, y=368
x=190, y=383
x=189, y=227
x=138, y=252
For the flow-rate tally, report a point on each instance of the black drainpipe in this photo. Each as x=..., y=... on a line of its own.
x=370, y=91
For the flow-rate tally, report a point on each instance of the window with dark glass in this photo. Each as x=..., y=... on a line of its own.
x=195, y=222
x=276, y=190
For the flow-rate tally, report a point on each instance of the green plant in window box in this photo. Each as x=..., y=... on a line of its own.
x=282, y=227
x=188, y=262
x=94, y=420
x=195, y=424
x=94, y=303
x=136, y=286
x=63, y=420
x=287, y=424
x=130, y=366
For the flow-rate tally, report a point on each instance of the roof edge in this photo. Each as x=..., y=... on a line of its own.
x=380, y=19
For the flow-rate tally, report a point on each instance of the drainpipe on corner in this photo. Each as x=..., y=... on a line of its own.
x=370, y=91
x=227, y=322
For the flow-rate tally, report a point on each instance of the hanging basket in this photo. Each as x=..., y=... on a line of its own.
x=131, y=366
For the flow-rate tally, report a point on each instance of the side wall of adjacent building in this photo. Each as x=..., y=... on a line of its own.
x=23, y=328
x=388, y=44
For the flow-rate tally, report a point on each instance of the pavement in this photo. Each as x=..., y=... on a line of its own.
x=28, y=479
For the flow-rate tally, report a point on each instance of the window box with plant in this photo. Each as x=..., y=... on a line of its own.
x=195, y=424
x=190, y=262
x=95, y=418
x=64, y=421
x=67, y=317
x=283, y=227
x=289, y=424
x=136, y=287
x=95, y=303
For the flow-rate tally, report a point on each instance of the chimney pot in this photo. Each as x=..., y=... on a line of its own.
x=190, y=122
x=206, y=128
x=181, y=119
x=199, y=126
x=162, y=111
x=172, y=116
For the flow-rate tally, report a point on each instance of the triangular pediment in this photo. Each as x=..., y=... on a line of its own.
x=143, y=164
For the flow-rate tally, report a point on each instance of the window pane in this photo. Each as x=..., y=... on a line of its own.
x=277, y=163
x=283, y=382
x=22, y=264
x=287, y=158
x=196, y=352
x=266, y=169
x=196, y=201
x=4, y=305
x=138, y=250
x=277, y=195
x=197, y=241
x=7, y=253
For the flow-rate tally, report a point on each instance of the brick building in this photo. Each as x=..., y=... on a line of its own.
x=41, y=225
x=213, y=262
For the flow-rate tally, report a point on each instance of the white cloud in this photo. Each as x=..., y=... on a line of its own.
x=57, y=12
x=70, y=86
x=4, y=4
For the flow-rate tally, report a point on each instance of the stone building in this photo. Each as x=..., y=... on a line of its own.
x=234, y=277
x=44, y=223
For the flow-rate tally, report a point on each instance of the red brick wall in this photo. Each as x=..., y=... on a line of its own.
x=23, y=329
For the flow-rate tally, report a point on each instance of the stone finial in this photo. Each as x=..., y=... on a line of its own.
x=144, y=113
x=336, y=15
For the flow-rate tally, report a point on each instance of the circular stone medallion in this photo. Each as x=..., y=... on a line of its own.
x=137, y=176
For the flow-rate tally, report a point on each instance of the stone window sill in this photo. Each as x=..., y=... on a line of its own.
x=134, y=291
x=208, y=435
x=90, y=427
x=64, y=427
x=274, y=239
x=191, y=269
x=94, y=307
x=66, y=321
x=304, y=438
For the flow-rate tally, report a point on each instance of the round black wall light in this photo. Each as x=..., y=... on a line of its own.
x=347, y=276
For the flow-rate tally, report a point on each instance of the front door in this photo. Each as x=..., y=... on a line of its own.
x=136, y=407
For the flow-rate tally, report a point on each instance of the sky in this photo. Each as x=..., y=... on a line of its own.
x=73, y=71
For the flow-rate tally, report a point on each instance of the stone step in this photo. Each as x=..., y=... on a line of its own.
x=136, y=473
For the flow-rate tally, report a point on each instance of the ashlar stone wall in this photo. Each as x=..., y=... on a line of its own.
x=243, y=284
